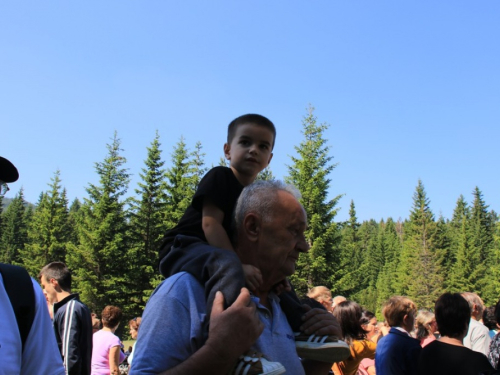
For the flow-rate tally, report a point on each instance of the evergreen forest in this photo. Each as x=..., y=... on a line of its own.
x=109, y=239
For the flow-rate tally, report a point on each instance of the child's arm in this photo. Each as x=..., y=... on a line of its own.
x=211, y=223
x=216, y=235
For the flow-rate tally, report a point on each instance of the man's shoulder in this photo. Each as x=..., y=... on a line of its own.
x=180, y=285
x=478, y=327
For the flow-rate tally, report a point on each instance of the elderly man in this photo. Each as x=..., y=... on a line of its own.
x=478, y=336
x=270, y=225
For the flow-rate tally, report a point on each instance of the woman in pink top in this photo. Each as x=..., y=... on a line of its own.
x=106, y=350
x=425, y=326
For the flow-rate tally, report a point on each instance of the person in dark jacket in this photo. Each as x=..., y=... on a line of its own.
x=72, y=319
x=398, y=352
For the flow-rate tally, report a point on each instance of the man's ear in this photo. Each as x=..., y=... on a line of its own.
x=251, y=225
x=227, y=149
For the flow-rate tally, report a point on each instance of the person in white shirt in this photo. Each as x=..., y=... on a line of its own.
x=478, y=336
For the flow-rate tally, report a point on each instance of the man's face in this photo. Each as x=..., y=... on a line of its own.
x=282, y=239
x=49, y=290
x=250, y=151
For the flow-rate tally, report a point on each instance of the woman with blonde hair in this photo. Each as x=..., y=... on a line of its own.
x=425, y=326
x=133, y=324
x=323, y=295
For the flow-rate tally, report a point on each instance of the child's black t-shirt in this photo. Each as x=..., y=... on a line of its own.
x=223, y=189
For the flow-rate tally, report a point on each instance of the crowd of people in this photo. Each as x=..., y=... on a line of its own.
x=226, y=305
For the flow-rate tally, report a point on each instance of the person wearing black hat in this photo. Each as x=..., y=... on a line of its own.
x=27, y=341
x=8, y=173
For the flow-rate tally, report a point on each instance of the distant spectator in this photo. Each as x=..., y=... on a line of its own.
x=478, y=336
x=425, y=326
x=490, y=320
x=371, y=326
x=397, y=353
x=323, y=295
x=494, y=349
x=107, y=354
x=96, y=323
x=134, y=325
x=349, y=315
x=336, y=300
x=447, y=355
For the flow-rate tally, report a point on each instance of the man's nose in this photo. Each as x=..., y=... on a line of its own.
x=302, y=244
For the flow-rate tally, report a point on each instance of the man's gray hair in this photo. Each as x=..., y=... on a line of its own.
x=259, y=198
x=473, y=299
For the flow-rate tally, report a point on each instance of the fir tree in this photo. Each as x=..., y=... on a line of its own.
x=147, y=225
x=350, y=256
x=482, y=240
x=14, y=231
x=419, y=268
x=182, y=179
x=100, y=261
x=309, y=173
x=467, y=267
x=49, y=231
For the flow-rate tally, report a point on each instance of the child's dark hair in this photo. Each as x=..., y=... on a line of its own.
x=250, y=118
x=59, y=272
x=348, y=314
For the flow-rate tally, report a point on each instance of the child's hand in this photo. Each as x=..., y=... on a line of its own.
x=253, y=276
x=282, y=286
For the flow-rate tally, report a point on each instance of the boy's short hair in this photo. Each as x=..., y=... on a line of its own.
x=250, y=118
x=396, y=308
x=452, y=314
x=59, y=272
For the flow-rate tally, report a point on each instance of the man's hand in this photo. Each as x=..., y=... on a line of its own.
x=234, y=330
x=253, y=276
x=320, y=322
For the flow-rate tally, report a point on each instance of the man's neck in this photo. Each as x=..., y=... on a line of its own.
x=263, y=297
x=62, y=295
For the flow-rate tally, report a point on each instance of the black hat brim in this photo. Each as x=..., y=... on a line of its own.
x=8, y=173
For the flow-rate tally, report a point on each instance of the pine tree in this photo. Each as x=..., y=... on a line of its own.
x=266, y=175
x=371, y=261
x=147, y=225
x=309, y=173
x=482, y=237
x=464, y=273
x=350, y=256
x=419, y=270
x=182, y=179
x=49, y=231
x=391, y=241
x=14, y=232
x=100, y=261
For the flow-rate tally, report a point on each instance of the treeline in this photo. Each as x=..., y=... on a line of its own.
x=110, y=240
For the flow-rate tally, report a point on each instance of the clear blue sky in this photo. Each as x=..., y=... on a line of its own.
x=411, y=89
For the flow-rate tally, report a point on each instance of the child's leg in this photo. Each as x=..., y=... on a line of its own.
x=292, y=307
x=216, y=269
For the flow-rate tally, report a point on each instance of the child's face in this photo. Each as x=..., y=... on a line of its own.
x=250, y=151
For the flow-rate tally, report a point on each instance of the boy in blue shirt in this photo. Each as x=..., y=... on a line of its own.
x=201, y=243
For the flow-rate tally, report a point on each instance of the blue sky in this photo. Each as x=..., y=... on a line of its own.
x=411, y=90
